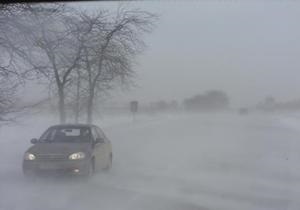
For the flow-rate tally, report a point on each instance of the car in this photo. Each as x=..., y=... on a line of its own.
x=76, y=149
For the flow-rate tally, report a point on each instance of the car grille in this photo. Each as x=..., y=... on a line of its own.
x=51, y=157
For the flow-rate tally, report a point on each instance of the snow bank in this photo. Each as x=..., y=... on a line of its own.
x=185, y=161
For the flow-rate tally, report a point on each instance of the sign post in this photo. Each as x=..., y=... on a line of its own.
x=134, y=108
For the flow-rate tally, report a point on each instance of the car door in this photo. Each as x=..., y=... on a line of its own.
x=99, y=150
x=107, y=144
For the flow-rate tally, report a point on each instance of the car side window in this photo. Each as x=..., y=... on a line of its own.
x=101, y=133
x=94, y=134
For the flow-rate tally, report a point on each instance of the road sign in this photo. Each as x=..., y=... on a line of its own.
x=134, y=106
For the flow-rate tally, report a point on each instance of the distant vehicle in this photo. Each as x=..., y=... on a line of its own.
x=77, y=149
x=243, y=111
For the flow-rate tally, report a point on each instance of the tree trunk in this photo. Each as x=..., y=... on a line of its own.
x=77, y=97
x=61, y=105
x=90, y=107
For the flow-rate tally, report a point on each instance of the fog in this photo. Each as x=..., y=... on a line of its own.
x=184, y=161
x=180, y=150
x=249, y=49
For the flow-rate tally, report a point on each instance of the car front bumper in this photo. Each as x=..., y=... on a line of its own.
x=73, y=167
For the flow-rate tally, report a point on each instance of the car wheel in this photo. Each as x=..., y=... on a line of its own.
x=90, y=169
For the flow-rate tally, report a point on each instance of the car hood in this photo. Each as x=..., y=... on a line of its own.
x=59, y=148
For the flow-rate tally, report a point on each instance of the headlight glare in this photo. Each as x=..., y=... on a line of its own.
x=29, y=156
x=77, y=156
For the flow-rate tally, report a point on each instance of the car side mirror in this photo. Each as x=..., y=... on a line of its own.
x=99, y=140
x=34, y=141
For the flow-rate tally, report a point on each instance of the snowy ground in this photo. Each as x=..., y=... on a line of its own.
x=203, y=161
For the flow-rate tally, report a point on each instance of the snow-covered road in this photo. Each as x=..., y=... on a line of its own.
x=200, y=161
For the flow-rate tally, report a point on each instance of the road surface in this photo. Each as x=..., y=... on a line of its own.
x=170, y=162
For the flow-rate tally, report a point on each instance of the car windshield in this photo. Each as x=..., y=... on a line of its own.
x=66, y=134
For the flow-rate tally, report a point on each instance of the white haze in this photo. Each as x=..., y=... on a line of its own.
x=248, y=49
x=183, y=161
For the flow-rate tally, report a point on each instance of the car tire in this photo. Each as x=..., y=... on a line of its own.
x=90, y=169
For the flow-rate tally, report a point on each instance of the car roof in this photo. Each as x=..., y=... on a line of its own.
x=73, y=126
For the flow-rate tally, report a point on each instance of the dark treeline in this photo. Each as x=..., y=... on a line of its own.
x=209, y=101
x=269, y=104
x=212, y=100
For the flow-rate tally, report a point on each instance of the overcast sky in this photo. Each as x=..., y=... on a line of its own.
x=249, y=49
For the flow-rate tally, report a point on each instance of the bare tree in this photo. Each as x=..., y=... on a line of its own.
x=76, y=49
x=11, y=76
x=49, y=45
x=77, y=97
x=110, y=48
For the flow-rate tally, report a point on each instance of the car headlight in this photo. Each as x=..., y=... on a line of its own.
x=77, y=156
x=29, y=156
